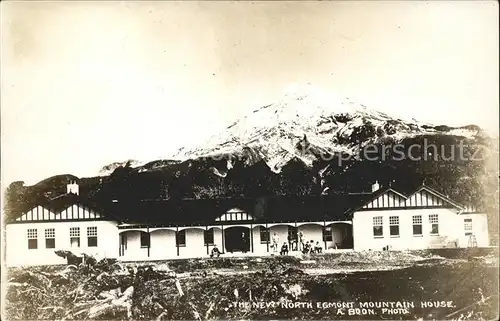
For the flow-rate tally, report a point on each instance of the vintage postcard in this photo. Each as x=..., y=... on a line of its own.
x=228, y=160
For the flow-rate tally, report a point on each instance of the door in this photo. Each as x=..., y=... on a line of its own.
x=237, y=239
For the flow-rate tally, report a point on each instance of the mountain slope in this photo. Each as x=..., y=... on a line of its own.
x=308, y=143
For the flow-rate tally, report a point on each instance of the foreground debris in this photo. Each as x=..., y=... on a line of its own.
x=90, y=290
x=197, y=289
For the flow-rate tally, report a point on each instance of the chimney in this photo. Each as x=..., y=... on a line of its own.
x=375, y=186
x=72, y=188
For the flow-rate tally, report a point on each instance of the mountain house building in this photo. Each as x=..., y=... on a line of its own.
x=384, y=218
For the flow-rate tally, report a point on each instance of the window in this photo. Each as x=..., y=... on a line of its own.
x=74, y=236
x=433, y=220
x=417, y=224
x=209, y=237
x=468, y=226
x=292, y=233
x=145, y=239
x=32, y=239
x=50, y=238
x=378, y=230
x=180, y=238
x=92, y=236
x=264, y=235
x=327, y=234
x=394, y=225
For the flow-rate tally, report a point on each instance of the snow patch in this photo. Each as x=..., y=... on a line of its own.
x=324, y=117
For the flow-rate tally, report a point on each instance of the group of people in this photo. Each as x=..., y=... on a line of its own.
x=310, y=247
x=299, y=244
x=306, y=247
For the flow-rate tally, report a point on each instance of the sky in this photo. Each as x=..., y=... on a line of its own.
x=85, y=84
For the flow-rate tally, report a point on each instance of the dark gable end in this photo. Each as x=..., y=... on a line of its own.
x=59, y=204
x=422, y=197
x=434, y=195
x=384, y=198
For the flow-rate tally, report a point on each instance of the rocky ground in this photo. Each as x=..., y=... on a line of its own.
x=463, y=284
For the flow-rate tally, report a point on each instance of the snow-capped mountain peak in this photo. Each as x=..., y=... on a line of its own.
x=321, y=119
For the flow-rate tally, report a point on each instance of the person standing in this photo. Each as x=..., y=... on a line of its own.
x=301, y=241
x=244, y=244
x=276, y=241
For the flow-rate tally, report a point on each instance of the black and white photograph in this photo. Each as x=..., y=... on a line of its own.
x=250, y=160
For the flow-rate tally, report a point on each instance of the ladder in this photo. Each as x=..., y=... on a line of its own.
x=472, y=241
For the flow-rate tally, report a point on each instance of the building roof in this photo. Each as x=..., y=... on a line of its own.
x=60, y=204
x=388, y=198
x=334, y=207
x=269, y=209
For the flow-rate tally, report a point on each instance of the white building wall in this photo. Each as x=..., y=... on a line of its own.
x=282, y=233
x=260, y=246
x=312, y=232
x=18, y=254
x=451, y=229
x=133, y=249
x=479, y=229
x=451, y=232
x=163, y=245
x=195, y=245
x=217, y=240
